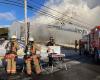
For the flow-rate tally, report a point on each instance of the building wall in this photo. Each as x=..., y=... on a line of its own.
x=16, y=29
x=66, y=34
x=4, y=33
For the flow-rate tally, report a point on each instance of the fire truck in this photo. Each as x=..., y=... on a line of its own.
x=92, y=43
x=95, y=42
x=84, y=45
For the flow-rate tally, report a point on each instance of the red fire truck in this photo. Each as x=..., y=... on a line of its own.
x=94, y=40
x=91, y=43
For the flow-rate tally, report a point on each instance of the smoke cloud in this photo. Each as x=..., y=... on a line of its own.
x=84, y=12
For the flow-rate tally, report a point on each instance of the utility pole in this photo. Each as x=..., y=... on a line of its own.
x=28, y=30
x=25, y=14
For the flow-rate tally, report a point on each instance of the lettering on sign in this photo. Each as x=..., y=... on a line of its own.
x=76, y=30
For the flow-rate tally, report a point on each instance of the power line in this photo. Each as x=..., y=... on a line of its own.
x=44, y=12
x=48, y=8
x=31, y=8
x=58, y=12
x=23, y=4
x=60, y=17
x=10, y=4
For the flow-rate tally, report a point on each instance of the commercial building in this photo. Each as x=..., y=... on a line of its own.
x=17, y=28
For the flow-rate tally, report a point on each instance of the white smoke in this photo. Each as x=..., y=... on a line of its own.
x=85, y=11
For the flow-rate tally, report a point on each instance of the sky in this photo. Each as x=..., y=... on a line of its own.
x=10, y=13
x=84, y=12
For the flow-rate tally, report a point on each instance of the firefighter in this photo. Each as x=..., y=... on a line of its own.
x=11, y=55
x=76, y=44
x=51, y=42
x=32, y=57
x=80, y=47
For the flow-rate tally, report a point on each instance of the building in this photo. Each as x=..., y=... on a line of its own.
x=63, y=34
x=4, y=32
x=17, y=28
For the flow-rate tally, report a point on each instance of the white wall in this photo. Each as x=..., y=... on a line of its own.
x=41, y=32
x=15, y=29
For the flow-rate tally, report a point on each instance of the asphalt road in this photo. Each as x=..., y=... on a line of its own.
x=78, y=68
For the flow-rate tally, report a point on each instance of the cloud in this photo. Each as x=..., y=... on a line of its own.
x=84, y=12
x=93, y=3
x=7, y=16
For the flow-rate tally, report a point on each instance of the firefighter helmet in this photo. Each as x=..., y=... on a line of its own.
x=51, y=38
x=14, y=37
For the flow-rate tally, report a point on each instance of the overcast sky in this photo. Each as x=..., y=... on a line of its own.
x=85, y=11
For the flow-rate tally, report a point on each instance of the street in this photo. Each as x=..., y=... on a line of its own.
x=78, y=68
